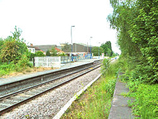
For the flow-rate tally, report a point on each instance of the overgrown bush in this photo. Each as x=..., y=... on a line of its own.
x=137, y=27
x=109, y=68
x=12, y=47
x=22, y=63
x=145, y=104
x=105, y=66
x=10, y=51
x=14, y=54
x=62, y=54
x=39, y=54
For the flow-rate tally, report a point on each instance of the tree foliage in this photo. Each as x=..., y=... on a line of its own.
x=53, y=52
x=66, y=47
x=137, y=25
x=97, y=50
x=39, y=54
x=1, y=43
x=48, y=53
x=107, y=48
x=12, y=48
x=62, y=54
x=10, y=51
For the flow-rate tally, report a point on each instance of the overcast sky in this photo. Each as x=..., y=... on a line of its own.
x=49, y=21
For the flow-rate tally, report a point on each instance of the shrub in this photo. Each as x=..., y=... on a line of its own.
x=39, y=54
x=2, y=72
x=22, y=63
x=145, y=104
x=109, y=69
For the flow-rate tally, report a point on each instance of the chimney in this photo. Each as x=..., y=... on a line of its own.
x=31, y=44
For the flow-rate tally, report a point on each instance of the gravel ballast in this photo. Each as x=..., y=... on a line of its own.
x=47, y=105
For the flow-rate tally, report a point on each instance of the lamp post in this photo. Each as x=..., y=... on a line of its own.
x=71, y=44
x=90, y=48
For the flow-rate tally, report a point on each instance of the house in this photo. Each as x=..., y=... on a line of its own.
x=58, y=50
x=78, y=49
x=33, y=49
x=45, y=48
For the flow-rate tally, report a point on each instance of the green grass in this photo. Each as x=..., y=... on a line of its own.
x=6, y=69
x=145, y=105
x=95, y=103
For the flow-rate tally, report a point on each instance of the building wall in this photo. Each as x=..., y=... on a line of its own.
x=45, y=47
x=80, y=48
x=32, y=50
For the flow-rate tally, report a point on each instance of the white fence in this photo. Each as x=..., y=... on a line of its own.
x=99, y=57
x=65, y=59
x=54, y=62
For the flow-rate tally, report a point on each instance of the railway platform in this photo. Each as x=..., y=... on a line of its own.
x=64, y=66
x=67, y=65
x=119, y=107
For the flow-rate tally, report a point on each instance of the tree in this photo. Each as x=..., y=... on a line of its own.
x=21, y=42
x=66, y=48
x=17, y=33
x=1, y=43
x=13, y=47
x=10, y=51
x=97, y=50
x=107, y=48
x=48, y=53
x=53, y=52
x=136, y=23
x=39, y=54
x=31, y=56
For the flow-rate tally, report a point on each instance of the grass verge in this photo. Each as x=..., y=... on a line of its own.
x=95, y=103
x=145, y=104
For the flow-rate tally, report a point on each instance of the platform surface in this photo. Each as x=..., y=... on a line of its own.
x=119, y=107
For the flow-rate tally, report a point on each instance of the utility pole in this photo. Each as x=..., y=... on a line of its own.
x=71, y=44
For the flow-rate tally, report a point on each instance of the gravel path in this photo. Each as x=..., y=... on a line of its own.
x=47, y=105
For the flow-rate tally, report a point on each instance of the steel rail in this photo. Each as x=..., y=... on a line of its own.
x=24, y=82
x=48, y=73
x=37, y=94
x=33, y=86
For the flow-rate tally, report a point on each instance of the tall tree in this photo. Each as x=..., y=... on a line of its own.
x=97, y=51
x=13, y=47
x=66, y=47
x=48, y=53
x=136, y=23
x=107, y=48
x=17, y=33
x=53, y=52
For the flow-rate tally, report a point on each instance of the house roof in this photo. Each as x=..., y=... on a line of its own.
x=58, y=50
x=36, y=48
x=45, y=47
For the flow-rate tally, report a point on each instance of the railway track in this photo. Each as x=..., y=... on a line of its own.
x=14, y=98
